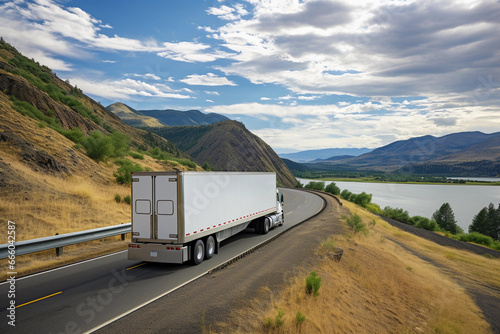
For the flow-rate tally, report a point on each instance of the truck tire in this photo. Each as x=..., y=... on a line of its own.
x=209, y=248
x=258, y=226
x=198, y=251
x=265, y=226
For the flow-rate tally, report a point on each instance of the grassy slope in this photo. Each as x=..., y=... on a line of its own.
x=48, y=184
x=380, y=287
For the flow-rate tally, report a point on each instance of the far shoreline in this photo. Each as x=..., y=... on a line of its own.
x=370, y=180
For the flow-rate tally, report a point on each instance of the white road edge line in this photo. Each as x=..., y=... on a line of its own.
x=66, y=266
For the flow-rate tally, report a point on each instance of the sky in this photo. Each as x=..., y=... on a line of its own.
x=300, y=74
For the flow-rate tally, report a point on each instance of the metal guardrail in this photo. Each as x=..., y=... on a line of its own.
x=59, y=241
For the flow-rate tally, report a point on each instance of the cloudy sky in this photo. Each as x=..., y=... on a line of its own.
x=301, y=74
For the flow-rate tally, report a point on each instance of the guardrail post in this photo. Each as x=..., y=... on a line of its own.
x=59, y=250
x=123, y=235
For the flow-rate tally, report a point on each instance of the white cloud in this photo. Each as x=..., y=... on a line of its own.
x=370, y=48
x=228, y=13
x=126, y=89
x=208, y=79
x=364, y=124
x=150, y=76
x=47, y=29
x=191, y=52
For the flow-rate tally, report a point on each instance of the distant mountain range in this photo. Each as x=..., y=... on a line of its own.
x=457, y=154
x=227, y=146
x=323, y=154
x=169, y=117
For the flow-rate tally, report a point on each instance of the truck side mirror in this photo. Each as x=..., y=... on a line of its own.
x=282, y=200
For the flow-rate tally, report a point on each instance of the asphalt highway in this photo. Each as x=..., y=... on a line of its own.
x=86, y=296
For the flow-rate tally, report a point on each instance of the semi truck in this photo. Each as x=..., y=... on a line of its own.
x=185, y=215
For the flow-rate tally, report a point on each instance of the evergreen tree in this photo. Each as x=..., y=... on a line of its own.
x=479, y=221
x=487, y=222
x=445, y=218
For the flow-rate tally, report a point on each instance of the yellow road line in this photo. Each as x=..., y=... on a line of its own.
x=39, y=299
x=140, y=264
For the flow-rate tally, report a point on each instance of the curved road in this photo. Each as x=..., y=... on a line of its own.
x=85, y=296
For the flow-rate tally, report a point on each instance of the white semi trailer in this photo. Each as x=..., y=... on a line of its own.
x=182, y=216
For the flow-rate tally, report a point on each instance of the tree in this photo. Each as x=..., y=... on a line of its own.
x=362, y=199
x=445, y=218
x=333, y=189
x=487, y=222
x=206, y=166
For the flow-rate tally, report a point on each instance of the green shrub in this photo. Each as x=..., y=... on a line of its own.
x=316, y=185
x=123, y=174
x=127, y=199
x=477, y=238
x=374, y=208
x=277, y=322
x=299, y=318
x=136, y=155
x=356, y=224
x=397, y=214
x=313, y=283
x=99, y=146
x=118, y=198
x=187, y=163
x=346, y=194
x=120, y=142
x=362, y=199
x=425, y=223
x=75, y=135
x=332, y=189
x=206, y=166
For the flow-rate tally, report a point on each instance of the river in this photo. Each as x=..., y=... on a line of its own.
x=423, y=199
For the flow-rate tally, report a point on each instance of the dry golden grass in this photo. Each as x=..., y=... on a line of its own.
x=377, y=287
x=62, y=205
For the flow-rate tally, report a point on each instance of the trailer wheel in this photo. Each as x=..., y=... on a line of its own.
x=198, y=251
x=209, y=248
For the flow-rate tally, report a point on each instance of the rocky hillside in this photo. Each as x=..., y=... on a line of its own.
x=169, y=117
x=228, y=146
x=62, y=154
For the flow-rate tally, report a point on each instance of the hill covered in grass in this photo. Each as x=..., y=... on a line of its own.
x=65, y=160
x=228, y=146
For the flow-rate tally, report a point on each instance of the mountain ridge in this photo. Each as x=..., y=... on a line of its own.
x=229, y=146
x=166, y=117
x=323, y=154
x=453, y=154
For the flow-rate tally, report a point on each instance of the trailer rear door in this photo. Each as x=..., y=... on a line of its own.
x=154, y=209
